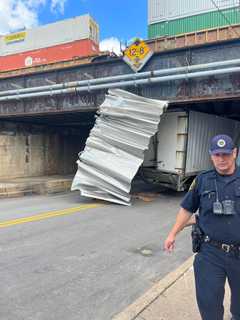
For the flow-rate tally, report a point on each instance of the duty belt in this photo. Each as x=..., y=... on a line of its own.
x=223, y=246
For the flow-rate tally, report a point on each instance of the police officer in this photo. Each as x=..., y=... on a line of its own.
x=216, y=194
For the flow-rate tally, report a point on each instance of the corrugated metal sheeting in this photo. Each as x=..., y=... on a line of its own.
x=167, y=18
x=65, y=31
x=164, y=10
x=115, y=148
x=204, y=21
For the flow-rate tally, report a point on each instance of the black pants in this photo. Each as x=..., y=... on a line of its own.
x=212, y=267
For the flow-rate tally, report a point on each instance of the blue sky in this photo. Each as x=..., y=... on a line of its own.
x=123, y=19
x=119, y=20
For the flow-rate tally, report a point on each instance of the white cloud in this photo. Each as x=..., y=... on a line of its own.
x=112, y=45
x=20, y=14
x=58, y=5
x=15, y=15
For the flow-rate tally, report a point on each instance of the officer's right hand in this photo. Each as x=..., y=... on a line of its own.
x=169, y=243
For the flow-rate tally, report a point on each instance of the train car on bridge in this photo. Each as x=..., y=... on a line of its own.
x=60, y=41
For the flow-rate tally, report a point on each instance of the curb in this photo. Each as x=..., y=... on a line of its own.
x=12, y=190
x=137, y=307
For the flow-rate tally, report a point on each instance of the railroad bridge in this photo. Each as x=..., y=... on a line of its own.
x=46, y=112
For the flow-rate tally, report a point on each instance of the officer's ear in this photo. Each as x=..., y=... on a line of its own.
x=235, y=153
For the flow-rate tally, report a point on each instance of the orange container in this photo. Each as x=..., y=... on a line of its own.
x=62, y=52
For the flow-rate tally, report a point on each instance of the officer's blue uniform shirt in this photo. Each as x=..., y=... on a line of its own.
x=202, y=195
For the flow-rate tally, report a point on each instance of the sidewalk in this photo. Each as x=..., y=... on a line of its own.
x=19, y=187
x=172, y=298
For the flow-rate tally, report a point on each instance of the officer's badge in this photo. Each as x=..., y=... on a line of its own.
x=221, y=143
x=193, y=184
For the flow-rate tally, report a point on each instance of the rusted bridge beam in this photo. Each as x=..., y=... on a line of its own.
x=179, y=91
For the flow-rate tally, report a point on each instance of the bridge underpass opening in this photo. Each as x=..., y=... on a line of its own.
x=48, y=145
x=229, y=108
x=42, y=145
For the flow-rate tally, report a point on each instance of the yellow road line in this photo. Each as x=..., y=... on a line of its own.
x=47, y=215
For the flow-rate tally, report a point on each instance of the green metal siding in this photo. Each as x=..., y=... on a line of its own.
x=194, y=23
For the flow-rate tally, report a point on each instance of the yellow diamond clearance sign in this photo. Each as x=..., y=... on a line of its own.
x=137, y=55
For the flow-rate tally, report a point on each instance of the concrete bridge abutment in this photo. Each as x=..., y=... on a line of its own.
x=38, y=158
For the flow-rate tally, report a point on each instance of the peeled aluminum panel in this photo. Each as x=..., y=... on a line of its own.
x=164, y=10
x=202, y=127
x=115, y=148
x=65, y=31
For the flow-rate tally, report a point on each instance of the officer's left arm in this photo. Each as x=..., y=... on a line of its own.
x=191, y=221
x=183, y=217
x=189, y=205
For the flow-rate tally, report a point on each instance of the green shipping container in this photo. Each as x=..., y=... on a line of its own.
x=199, y=22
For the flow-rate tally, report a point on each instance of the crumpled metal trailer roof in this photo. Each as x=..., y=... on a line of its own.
x=115, y=149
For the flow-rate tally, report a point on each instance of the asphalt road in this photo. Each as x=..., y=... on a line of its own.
x=65, y=257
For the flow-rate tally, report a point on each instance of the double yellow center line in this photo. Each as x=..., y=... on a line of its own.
x=48, y=215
